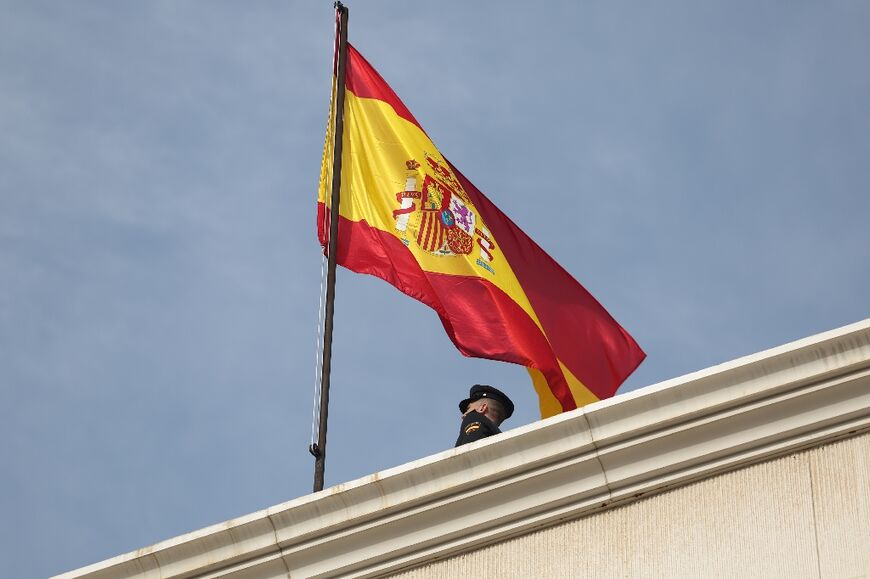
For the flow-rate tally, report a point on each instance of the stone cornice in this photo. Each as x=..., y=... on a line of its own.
x=748, y=410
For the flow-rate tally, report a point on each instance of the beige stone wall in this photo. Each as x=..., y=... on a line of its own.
x=803, y=515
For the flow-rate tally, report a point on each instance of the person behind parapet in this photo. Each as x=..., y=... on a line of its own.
x=482, y=413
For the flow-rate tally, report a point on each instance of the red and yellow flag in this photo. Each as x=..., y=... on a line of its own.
x=411, y=218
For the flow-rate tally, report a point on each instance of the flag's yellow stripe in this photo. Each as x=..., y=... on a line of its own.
x=324, y=192
x=549, y=404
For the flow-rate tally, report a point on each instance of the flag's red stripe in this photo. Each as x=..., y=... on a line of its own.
x=582, y=333
x=481, y=319
x=364, y=81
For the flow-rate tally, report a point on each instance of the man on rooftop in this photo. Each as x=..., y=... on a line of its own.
x=482, y=413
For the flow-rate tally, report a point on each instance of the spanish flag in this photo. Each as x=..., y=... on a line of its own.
x=408, y=216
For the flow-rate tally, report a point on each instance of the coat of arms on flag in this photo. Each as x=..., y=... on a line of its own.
x=436, y=213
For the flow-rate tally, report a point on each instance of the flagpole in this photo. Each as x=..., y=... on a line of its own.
x=319, y=449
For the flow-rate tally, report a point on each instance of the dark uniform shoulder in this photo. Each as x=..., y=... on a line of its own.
x=474, y=427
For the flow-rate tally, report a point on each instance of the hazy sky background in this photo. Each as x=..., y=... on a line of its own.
x=701, y=167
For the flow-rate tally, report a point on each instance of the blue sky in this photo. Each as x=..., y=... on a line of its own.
x=701, y=167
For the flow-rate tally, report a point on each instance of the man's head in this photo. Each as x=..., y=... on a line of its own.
x=489, y=401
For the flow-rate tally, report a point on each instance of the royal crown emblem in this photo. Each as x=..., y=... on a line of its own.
x=436, y=214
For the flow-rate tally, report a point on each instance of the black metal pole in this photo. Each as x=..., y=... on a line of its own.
x=320, y=450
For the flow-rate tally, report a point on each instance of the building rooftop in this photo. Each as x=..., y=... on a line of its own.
x=689, y=428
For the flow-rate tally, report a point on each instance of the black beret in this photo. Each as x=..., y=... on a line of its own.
x=479, y=391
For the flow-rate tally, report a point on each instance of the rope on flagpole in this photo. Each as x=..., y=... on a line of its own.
x=315, y=407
